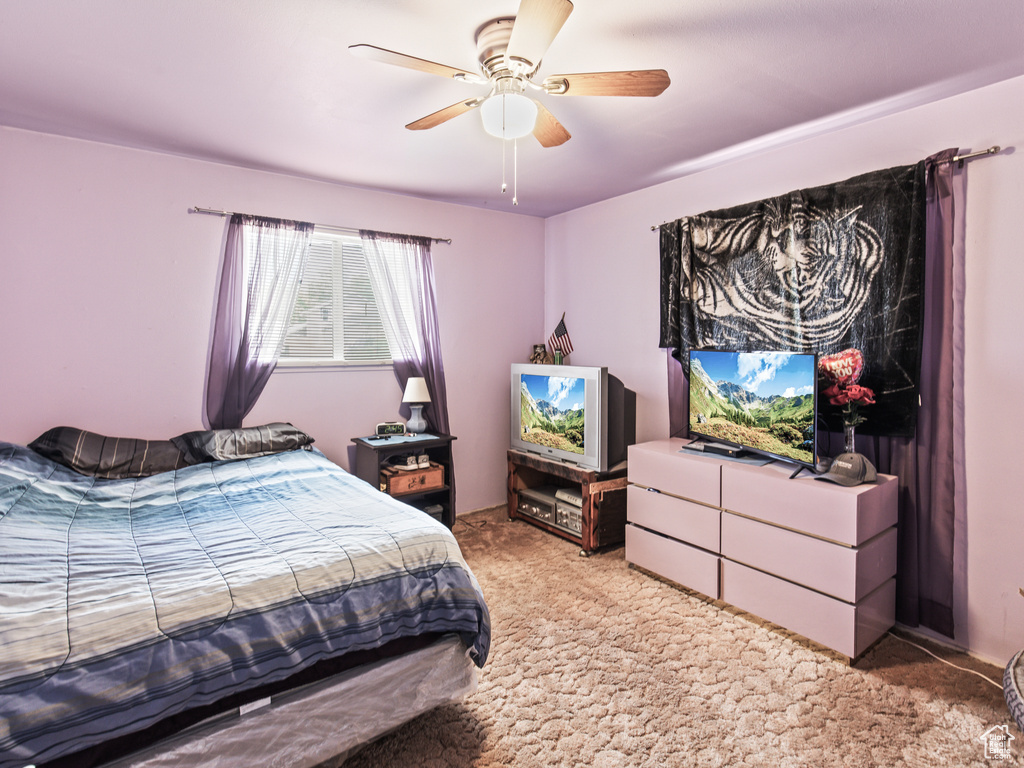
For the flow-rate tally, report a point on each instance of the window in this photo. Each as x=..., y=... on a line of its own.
x=335, y=320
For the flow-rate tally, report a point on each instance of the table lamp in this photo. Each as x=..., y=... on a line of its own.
x=417, y=396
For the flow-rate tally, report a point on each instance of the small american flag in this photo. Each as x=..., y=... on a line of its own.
x=560, y=339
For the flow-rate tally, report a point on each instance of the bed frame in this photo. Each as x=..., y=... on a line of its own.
x=329, y=720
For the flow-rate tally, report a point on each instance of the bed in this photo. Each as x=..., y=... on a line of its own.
x=268, y=584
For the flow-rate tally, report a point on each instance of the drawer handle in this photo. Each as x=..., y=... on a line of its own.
x=653, y=490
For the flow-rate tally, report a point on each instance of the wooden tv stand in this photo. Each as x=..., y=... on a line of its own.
x=601, y=520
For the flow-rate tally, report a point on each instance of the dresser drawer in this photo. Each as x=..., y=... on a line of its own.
x=847, y=515
x=849, y=629
x=681, y=563
x=847, y=573
x=681, y=519
x=659, y=464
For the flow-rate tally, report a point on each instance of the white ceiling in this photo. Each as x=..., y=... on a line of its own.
x=270, y=84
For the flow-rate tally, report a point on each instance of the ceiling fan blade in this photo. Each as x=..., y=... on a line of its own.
x=643, y=82
x=444, y=115
x=536, y=25
x=548, y=131
x=374, y=53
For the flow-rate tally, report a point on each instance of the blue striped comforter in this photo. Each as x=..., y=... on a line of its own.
x=125, y=601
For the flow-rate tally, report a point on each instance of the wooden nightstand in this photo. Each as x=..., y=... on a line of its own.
x=376, y=454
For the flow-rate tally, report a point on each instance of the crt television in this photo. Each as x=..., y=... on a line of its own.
x=764, y=402
x=575, y=414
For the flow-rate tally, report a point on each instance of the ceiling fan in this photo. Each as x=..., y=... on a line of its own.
x=510, y=50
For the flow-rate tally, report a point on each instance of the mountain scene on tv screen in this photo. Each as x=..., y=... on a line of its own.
x=550, y=415
x=776, y=424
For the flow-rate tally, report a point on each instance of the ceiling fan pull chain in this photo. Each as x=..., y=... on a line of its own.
x=515, y=171
x=504, y=184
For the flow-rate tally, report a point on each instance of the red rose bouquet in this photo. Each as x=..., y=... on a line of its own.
x=843, y=371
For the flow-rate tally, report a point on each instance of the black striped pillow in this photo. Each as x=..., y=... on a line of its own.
x=89, y=453
x=241, y=443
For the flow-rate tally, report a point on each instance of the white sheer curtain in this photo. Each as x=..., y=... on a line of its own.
x=403, y=281
x=260, y=276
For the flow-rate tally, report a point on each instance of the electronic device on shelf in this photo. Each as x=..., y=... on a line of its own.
x=575, y=414
x=436, y=511
x=569, y=496
x=719, y=449
x=388, y=428
x=756, y=402
x=545, y=503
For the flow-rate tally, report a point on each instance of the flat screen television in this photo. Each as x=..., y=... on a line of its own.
x=764, y=402
x=575, y=414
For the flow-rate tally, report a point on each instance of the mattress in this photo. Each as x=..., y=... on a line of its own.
x=123, y=602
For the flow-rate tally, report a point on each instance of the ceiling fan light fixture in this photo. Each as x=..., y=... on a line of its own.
x=508, y=115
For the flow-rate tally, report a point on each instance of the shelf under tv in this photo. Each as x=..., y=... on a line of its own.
x=533, y=482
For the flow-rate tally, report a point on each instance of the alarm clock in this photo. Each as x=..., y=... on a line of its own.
x=387, y=428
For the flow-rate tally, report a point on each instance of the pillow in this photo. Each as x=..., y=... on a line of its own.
x=108, y=457
x=241, y=443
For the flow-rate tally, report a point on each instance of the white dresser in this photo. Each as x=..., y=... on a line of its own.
x=814, y=557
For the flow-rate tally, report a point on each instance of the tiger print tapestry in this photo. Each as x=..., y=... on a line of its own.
x=816, y=270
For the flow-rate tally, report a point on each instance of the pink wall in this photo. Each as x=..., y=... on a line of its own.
x=106, y=291
x=602, y=270
x=106, y=297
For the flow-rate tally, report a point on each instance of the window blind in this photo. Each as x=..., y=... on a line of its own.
x=335, y=320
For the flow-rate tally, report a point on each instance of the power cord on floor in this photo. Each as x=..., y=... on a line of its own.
x=948, y=663
x=467, y=524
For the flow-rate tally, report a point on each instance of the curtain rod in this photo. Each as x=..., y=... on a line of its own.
x=955, y=159
x=346, y=230
x=980, y=153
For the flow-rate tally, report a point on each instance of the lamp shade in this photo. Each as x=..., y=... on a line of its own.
x=416, y=391
x=508, y=115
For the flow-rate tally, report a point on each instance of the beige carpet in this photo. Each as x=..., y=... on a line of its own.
x=594, y=663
